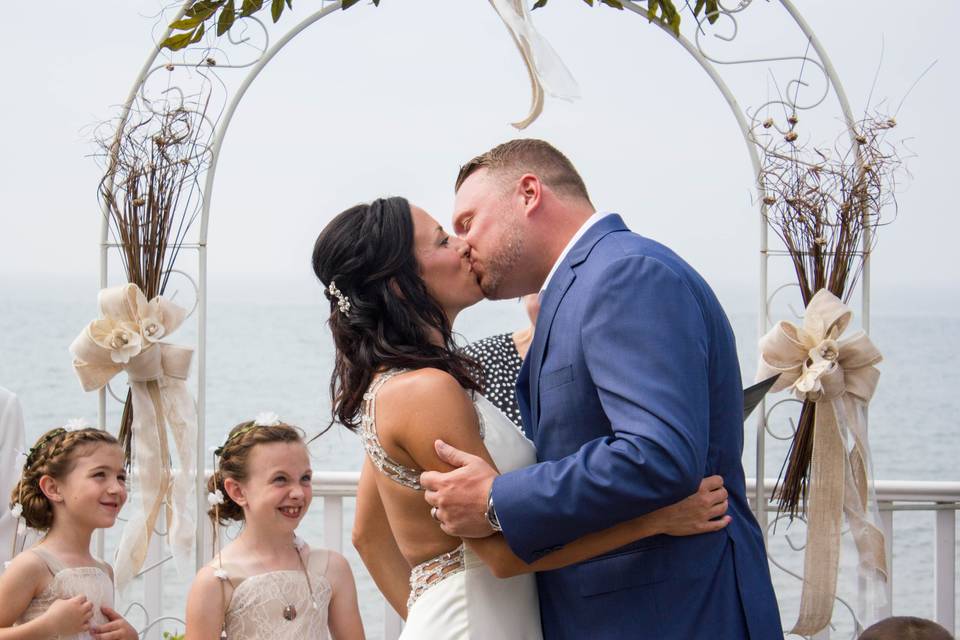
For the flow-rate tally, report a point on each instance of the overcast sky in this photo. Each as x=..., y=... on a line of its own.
x=390, y=100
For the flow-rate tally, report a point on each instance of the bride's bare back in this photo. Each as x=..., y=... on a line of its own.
x=411, y=411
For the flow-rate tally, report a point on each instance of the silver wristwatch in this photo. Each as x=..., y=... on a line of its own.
x=492, y=513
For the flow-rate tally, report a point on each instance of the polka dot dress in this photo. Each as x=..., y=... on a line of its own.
x=501, y=366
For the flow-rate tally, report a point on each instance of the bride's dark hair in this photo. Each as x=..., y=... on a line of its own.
x=367, y=252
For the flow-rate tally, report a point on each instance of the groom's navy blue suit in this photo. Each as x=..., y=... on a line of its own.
x=632, y=393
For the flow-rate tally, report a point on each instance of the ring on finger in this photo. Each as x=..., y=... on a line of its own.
x=433, y=514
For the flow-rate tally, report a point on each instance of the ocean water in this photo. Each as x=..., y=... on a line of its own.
x=273, y=355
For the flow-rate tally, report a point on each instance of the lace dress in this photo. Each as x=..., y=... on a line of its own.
x=261, y=604
x=68, y=582
x=455, y=596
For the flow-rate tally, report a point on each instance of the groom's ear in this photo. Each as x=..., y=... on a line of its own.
x=530, y=190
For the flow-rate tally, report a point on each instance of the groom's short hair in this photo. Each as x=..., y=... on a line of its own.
x=529, y=155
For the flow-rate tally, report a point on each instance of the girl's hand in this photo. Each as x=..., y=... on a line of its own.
x=69, y=617
x=696, y=514
x=116, y=629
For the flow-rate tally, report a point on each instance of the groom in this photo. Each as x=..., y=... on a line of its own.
x=631, y=393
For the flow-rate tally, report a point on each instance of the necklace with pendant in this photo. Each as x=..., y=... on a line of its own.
x=290, y=610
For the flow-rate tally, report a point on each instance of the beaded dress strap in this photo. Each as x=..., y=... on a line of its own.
x=371, y=443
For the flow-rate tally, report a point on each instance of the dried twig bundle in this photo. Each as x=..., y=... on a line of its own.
x=150, y=191
x=826, y=206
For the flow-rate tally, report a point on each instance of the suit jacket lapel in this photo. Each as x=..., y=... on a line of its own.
x=561, y=281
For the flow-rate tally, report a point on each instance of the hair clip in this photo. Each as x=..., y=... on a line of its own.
x=343, y=301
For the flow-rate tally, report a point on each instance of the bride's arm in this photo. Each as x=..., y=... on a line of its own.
x=427, y=405
x=374, y=541
x=690, y=516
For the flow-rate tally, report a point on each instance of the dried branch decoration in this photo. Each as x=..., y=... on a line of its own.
x=151, y=192
x=826, y=207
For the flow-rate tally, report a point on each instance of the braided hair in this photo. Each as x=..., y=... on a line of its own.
x=55, y=454
x=233, y=458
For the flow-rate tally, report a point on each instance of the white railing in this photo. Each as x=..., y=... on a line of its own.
x=942, y=499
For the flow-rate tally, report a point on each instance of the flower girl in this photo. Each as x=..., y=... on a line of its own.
x=73, y=482
x=267, y=582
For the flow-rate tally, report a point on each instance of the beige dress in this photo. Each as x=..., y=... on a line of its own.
x=68, y=582
x=257, y=605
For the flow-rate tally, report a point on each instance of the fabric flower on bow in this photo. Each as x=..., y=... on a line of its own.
x=122, y=339
x=127, y=337
x=838, y=375
x=813, y=361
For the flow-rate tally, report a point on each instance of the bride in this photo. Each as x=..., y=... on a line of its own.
x=396, y=282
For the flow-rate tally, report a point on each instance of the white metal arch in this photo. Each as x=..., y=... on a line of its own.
x=709, y=64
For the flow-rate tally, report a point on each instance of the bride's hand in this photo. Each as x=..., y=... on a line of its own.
x=696, y=513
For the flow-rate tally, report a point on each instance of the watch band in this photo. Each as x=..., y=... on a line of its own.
x=492, y=513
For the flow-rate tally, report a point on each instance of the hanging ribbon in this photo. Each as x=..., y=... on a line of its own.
x=545, y=68
x=839, y=376
x=127, y=338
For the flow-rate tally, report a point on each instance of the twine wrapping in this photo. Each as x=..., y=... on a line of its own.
x=127, y=338
x=839, y=376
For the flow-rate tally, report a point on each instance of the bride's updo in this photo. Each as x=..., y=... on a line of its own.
x=381, y=314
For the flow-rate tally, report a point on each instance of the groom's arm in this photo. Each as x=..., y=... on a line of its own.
x=645, y=343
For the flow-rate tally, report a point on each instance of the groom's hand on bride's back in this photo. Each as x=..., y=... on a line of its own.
x=460, y=496
x=703, y=512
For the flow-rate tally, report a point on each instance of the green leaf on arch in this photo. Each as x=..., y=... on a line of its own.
x=227, y=16
x=276, y=9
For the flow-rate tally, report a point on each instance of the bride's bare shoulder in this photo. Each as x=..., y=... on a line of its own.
x=422, y=384
x=420, y=397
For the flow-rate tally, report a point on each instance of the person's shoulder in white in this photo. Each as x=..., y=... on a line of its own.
x=11, y=444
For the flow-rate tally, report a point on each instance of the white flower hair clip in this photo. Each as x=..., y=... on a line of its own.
x=343, y=302
x=266, y=419
x=215, y=498
x=16, y=510
x=76, y=424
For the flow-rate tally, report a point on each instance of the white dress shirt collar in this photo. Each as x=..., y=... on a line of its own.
x=589, y=222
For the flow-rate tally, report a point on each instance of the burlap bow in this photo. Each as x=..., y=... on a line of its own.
x=127, y=338
x=839, y=376
x=545, y=68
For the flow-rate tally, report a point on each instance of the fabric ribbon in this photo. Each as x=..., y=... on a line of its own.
x=545, y=68
x=127, y=338
x=839, y=376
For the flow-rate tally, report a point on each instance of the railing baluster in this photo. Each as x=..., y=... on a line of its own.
x=886, y=518
x=333, y=522
x=153, y=581
x=944, y=568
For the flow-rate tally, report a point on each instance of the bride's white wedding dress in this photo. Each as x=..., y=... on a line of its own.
x=455, y=596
